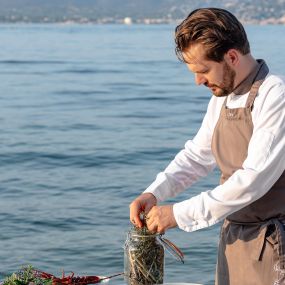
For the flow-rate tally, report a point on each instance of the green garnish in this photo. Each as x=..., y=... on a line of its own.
x=26, y=276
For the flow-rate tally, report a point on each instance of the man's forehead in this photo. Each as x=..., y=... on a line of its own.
x=195, y=63
x=195, y=56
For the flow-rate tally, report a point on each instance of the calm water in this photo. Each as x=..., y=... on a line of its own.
x=89, y=116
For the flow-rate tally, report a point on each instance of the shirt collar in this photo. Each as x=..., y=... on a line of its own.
x=245, y=85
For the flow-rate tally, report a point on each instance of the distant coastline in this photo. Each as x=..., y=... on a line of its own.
x=149, y=12
x=126, y=21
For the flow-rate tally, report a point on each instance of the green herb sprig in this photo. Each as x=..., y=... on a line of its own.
x=26, y=276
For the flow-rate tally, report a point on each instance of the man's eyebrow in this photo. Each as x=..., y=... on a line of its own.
x=201, y=70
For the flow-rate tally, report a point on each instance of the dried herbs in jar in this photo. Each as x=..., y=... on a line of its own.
x=144, y=258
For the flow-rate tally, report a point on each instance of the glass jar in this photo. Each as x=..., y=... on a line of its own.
x=143, y=258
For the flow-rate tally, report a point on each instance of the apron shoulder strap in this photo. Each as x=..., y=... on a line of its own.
x=260, y=77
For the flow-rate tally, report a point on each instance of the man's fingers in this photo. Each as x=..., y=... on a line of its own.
x=147, y=209
x=135, y=220
x=160, y=218
x=151, y=222
x=161, y=230
x=135, y=214
x=142, y=204
x=148, y=221
x=152, y=226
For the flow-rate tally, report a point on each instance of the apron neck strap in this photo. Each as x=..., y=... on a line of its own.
x=258, y=80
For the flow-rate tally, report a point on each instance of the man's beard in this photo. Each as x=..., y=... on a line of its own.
x=227, y=86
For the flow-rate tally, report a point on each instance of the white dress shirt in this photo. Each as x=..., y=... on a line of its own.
x=263, y=166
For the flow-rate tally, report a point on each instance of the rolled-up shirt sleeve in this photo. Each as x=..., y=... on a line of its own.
x=263, y=166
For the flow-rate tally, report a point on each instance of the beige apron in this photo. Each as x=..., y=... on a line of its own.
x=252, y=240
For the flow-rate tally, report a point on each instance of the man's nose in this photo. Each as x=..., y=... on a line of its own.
x=200, y=79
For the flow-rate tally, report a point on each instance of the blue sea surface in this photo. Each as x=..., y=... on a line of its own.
x=89, y=115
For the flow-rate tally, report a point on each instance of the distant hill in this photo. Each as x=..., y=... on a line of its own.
x=116, y=10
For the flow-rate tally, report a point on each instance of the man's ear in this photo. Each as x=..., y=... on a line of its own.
x=232, y=57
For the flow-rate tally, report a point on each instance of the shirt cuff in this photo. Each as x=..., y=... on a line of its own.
x=186, y=219
x=156, y=190
x=161, y=188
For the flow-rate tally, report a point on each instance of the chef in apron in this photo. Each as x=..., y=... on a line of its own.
x=243, y=134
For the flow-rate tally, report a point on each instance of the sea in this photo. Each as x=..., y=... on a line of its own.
x=90, y=114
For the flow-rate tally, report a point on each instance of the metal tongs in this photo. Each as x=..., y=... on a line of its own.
x=171, y=248
x=107, y=278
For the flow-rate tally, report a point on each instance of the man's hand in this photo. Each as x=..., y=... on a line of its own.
x=143, y=203
x=160, y=218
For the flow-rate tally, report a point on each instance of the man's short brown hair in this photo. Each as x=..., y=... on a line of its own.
x=216, y=29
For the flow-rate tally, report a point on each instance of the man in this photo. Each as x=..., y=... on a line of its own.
x=243, y=134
